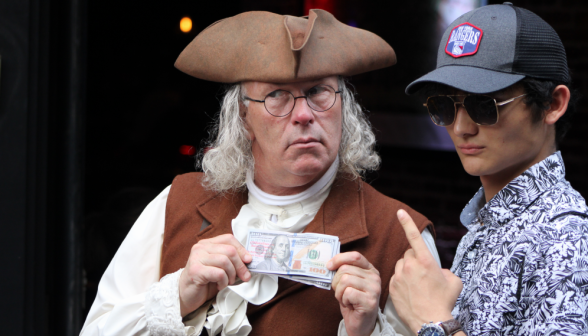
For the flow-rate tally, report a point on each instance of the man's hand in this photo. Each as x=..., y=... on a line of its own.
x=421, y=291
x=213, y=265
x=357, y=287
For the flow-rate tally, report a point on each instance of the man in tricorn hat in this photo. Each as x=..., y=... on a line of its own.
x=288, y=151
x=501, y=90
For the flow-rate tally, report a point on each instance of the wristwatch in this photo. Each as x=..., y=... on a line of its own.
x=446, y=328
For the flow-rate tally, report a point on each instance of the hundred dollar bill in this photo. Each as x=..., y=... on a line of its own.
x=303, y=255
x=308, y=281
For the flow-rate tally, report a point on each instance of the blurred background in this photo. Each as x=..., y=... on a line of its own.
x=95, y=121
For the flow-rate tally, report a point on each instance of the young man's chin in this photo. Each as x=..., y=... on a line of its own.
x=474, y=166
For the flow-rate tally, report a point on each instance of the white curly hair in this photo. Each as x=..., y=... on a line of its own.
x=226, y=156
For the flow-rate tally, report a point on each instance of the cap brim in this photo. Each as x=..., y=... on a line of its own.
x=466, y=78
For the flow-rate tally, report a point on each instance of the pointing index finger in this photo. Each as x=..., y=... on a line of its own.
x=412, y=233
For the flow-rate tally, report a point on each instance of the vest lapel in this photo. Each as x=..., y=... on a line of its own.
x=342, y=214
x=344, y=211
x=211, y=208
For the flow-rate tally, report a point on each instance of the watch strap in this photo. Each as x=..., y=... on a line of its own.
x=451, y=326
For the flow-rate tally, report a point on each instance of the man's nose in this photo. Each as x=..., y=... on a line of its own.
x=302, y=113
x=463, y=125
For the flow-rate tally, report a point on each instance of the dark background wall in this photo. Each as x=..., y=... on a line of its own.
x=65, y=190
x=42, y=91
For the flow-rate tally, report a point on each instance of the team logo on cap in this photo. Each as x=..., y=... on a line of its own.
x=464, y=40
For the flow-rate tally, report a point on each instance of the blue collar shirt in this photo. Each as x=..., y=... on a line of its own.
x=524, y=260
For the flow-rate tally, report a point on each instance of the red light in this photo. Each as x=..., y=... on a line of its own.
x=187, y=150
x=328, y=5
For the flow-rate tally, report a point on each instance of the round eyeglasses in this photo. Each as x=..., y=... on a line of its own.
x=280, y=103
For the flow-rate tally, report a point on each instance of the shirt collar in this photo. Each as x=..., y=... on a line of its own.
x=342, y=214
x=516, y=196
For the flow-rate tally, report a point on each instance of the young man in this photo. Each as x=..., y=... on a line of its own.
x=501, y=89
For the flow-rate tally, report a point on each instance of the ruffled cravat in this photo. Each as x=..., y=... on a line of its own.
x=269, y=212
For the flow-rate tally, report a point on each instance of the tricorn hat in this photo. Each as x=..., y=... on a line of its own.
x=267, y=47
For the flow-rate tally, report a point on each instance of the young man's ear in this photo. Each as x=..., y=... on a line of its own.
x=559, y=104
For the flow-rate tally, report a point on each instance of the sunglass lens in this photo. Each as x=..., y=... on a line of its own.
x=482, y=109
x=441, y=109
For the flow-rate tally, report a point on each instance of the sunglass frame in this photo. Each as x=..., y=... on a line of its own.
x=496, y=104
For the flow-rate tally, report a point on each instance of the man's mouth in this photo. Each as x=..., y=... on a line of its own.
x=304, y=142
x=470, y=149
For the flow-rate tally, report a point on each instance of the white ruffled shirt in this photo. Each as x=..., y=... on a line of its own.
x=131, y=299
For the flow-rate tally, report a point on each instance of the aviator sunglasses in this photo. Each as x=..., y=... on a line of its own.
x=482, y=109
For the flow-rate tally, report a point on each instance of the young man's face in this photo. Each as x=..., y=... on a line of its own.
x=505, y=149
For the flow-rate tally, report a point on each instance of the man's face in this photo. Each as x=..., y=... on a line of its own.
x=282, y=249
x=503, y=150
x=294, y=151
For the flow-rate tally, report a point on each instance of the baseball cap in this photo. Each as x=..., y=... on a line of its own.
x=495, y=46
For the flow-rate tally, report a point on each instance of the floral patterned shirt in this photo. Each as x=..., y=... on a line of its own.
x=524, y=260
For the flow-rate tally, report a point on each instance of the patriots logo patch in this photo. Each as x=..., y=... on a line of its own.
x=464, y=40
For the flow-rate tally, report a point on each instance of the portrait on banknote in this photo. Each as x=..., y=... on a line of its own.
x=277, y=255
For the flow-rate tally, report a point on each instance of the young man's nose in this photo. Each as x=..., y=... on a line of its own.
x=463, y=124
x=302, y=113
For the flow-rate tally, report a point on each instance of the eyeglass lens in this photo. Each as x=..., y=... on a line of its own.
x=482, y=109
x=441, y=109
x=319, y=98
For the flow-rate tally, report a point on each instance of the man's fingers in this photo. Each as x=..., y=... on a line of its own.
x=352, y=270
x=354, y=298
x=412, y=233
x=215, y=275
x=228, y=245
x=349, y=258
x=371, y=285
x=229, y=239
x=233, y=256
x=221, y=262
x=409, y=254
x=398, y=268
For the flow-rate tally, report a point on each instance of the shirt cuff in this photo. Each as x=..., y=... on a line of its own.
x=162, y=307
x=382, y=328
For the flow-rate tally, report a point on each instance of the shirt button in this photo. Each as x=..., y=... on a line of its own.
x=471, y=254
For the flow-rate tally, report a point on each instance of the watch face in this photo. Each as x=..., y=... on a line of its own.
x=431, y=330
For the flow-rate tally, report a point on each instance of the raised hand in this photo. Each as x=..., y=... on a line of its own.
x=357, y=287
x=213, y=265
x=421, y=291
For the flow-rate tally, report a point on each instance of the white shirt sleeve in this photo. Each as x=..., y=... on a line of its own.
x=132, y=279
x=389, y=323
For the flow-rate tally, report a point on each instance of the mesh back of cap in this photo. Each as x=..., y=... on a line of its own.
x=539, y=51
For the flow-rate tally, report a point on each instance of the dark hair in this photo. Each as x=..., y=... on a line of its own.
x=539, y=97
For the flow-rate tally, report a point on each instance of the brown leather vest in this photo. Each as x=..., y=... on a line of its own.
x=362, y=218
